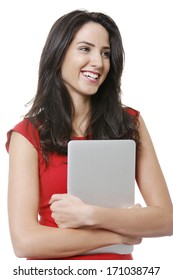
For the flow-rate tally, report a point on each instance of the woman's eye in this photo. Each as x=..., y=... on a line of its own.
x=84, y=49
x=106, y=54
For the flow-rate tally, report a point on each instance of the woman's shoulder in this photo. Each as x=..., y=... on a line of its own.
x=28, y=130
x=133, y=112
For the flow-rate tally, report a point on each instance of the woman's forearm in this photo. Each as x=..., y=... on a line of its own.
x=48, y=242
x=143, y=222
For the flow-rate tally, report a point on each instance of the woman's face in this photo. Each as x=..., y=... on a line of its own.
x=87, y=60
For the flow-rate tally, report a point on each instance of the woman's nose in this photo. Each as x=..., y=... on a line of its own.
x=96, y=60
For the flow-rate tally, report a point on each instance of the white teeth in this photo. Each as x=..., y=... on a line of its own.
x=91, y=75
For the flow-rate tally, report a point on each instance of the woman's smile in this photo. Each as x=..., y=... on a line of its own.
x=91, y=75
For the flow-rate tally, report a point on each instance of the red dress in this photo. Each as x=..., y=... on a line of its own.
x=53, y=179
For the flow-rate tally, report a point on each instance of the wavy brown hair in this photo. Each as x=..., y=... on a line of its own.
x=52, y=109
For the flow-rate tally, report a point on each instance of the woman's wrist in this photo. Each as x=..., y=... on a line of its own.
x=91, y=219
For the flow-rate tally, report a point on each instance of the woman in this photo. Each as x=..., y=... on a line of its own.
x=79, y=97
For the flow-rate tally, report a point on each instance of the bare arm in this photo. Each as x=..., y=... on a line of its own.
x=157, y=218
x=28, y=237
x=154, y=220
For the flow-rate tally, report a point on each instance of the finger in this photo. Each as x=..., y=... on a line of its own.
x=53, y=207
x=137, y=205
x=56, y=197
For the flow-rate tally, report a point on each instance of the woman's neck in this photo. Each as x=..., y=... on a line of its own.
x=81, y=117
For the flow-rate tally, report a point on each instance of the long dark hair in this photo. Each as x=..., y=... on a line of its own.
x=52, y=109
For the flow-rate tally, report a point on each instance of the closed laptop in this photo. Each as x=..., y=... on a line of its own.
x=102, y=172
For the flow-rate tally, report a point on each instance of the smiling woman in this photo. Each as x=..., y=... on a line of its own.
x=86, y=62
x=79, y=97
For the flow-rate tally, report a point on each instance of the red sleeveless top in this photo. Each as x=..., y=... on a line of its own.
x=53, y=179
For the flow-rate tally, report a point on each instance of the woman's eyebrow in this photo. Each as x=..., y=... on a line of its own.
x=85, y=42
x=90, y=44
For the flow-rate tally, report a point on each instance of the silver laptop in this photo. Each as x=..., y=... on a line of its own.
x=102, y=172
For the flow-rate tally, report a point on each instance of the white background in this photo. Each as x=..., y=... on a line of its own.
x=146, y=28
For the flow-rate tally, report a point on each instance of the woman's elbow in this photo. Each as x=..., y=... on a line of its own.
x=167, y=226
x=170, y=225
x=22, y=246
x=163, y=222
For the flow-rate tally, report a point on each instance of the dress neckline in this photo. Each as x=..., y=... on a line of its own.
x=79, y=138
x=88, y=137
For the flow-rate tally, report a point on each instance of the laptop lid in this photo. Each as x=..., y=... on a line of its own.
x=102, y=172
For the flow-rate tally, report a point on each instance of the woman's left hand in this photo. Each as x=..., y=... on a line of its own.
x=68, y=211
